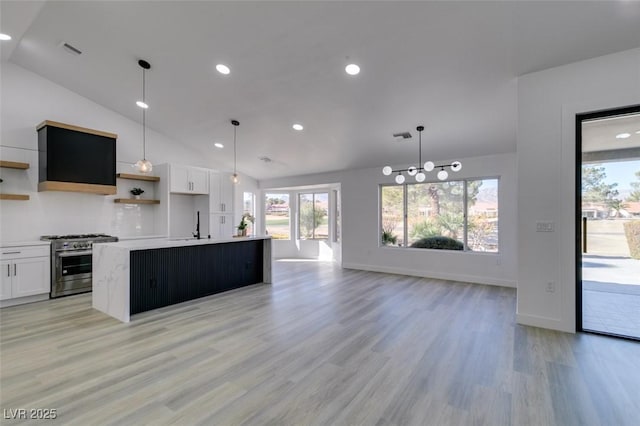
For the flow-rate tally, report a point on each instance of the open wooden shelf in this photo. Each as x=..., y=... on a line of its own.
x=16, y=197
x=134, y=201
x=138, y=177
x=77, y=187
x=14, y=165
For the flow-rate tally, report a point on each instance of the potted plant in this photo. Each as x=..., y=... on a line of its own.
x=244, y=224
x=136, y=192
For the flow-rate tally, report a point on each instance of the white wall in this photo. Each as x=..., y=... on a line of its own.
x=360, y=248
x=28, y=99
x=548, y=102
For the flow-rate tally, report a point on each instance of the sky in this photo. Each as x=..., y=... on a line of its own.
x=622, y=173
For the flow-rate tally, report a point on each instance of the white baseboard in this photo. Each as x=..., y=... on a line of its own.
x=543, y=322
x=431, y=274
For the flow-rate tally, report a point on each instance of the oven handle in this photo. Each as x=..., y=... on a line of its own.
x=73, y=253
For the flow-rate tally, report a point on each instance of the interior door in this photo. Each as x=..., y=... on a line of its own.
x=608, y=223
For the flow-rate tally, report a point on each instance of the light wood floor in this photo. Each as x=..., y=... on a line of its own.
x=320, y=346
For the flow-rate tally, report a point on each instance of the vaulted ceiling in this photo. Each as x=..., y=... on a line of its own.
x=451, y=66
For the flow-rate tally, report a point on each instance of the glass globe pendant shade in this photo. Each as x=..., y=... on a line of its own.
x=144, y=166
x=456, y=166
x=442, y=174
x=412, y=171
x=386, y=170
x=420, y=177
x=428, y=166
x=234, y=178
x=399, y=179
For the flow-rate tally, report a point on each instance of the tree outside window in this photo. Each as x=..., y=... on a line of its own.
x=482, y=208
x=392, y=204
x=432, y=215
x=313, y=216
x=435, y=210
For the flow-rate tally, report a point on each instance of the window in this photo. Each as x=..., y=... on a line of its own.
x=454, y=215
x=277, y=216
x=392, y=203
x=482, y=207
x=248, y=206
x=313, y=209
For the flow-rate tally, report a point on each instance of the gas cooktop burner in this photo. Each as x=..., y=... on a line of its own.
x=74, y=236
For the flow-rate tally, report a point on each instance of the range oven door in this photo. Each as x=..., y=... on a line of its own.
x=72, y=273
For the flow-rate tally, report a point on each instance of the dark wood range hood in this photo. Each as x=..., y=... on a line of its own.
x=76, y=159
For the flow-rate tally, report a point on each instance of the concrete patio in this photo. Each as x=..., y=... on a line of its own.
x=611, y=295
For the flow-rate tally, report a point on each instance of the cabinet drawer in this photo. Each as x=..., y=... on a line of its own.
x=22, y=252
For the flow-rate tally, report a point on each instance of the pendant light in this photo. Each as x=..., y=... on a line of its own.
x=144, y=165
x=234, y=177
x=418, y=172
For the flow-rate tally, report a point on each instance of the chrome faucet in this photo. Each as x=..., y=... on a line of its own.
x=197, y=233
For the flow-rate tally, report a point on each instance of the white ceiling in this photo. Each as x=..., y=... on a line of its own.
x=448, y=65
x=600, y=134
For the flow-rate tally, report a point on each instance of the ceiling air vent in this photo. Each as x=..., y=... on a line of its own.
x=69, y=48
x=402, y=135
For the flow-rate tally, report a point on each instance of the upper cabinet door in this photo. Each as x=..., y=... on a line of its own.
x=180, y=179
x=221, y=192
x=189, y=180
x=226, y=192
x=199, y=179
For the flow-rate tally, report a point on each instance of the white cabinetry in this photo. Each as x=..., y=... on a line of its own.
x=221, y=205
x=188, y=180
x=24, y=272
x=221, y=225
x=221, y=193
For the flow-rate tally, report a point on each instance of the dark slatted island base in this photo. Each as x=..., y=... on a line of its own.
x=130, y=277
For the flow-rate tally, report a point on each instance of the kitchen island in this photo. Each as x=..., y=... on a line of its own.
x=134, y=276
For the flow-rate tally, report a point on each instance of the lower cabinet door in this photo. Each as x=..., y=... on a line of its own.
x=221, y=226
x=30, y=277
x=149, y=280
x=6, y=273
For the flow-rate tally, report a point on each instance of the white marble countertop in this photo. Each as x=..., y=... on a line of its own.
x=155, y=243
x=24, y=243
x=112, y=268
x=141, y=237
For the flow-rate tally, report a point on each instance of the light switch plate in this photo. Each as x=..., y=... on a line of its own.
x=544, y=226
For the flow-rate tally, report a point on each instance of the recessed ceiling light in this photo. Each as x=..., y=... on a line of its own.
x=142, y=104
x=622, y=135
x=223, y=69
x=352, y=69
x=297, y=127
x=5, y=37
x=218, y=145
x=638, y=132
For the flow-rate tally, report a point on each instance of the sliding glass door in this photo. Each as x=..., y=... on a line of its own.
x=608, y=223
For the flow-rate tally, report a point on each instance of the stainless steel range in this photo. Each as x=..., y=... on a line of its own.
x=71, y=262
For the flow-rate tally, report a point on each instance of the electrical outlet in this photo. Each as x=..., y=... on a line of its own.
x=544, y=226
x=551, y=287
